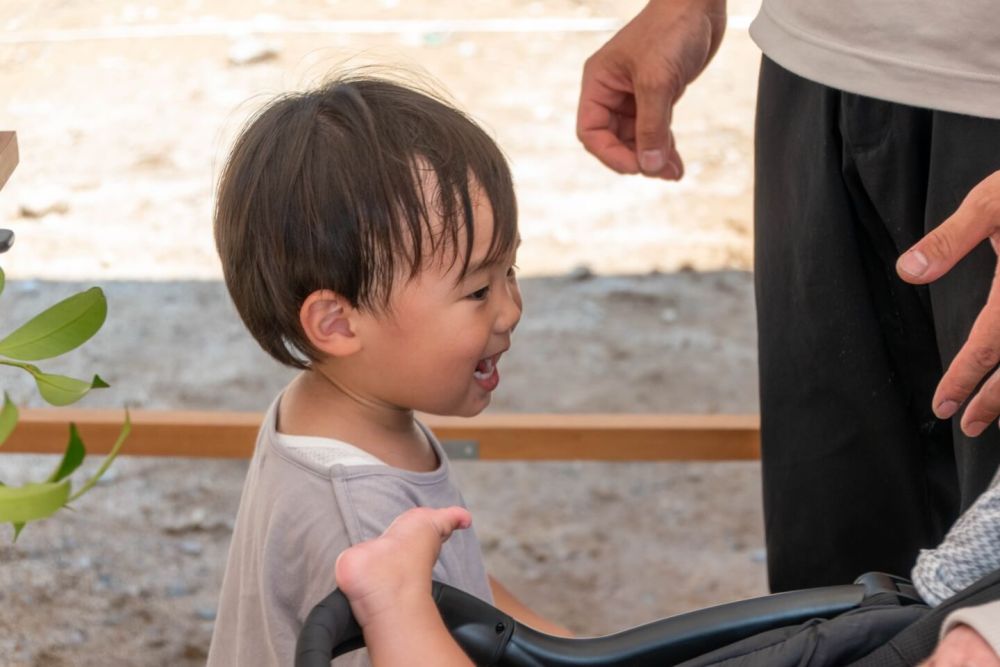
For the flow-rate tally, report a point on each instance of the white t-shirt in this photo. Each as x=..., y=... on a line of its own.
x=305, y=500
x=924, y=53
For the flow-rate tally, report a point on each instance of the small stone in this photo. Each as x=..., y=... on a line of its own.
x=114, y=618
x=75, y=637
x=205, y=613
x=194, y=652
x=543, y=112
x=250, y=50
x=580, y=272
x=109, y=477
x=435, y=38
x=43, y=201
x=191, y=547
x=29, y=286
x=467, y=49
x=177, y=589
x=669, y=315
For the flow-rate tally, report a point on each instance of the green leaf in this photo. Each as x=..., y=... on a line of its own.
x=62, y=390
x=59, y=389
x=122, y=435
x=8, y=418
x=59, y=329
x=18, y=526
x=32, y=501
x=3, y=281
x=72, y=458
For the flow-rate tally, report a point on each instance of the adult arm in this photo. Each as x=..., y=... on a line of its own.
x=976, y=220
x=969, y=636
x=630, y=85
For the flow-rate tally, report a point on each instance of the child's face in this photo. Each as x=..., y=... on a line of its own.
x=437, y=349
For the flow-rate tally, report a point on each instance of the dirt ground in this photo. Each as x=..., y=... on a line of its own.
x=638, y=299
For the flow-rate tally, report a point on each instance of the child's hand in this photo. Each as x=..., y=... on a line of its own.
x=390, y=574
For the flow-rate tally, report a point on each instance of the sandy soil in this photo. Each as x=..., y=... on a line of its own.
x=124, y=113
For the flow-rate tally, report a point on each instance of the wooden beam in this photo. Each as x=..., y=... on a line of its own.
x=8, y=155
x=602, y=437
x=629, y=437
x=154, y=432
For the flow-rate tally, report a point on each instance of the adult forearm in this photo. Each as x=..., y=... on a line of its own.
x=712, y=12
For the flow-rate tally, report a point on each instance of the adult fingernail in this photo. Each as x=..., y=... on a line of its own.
x=975, y=428
x=946, y=409
x=652, y=162
x=914, y=263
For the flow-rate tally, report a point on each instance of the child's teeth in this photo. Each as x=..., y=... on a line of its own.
x=487, y=369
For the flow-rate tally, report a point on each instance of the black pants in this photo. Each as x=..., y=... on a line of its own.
x=858, y=474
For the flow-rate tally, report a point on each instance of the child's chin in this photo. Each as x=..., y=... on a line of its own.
x=473, y=409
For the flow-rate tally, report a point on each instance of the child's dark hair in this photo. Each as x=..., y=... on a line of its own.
x=327, y=190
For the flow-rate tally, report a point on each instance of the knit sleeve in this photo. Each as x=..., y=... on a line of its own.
x=970, y=551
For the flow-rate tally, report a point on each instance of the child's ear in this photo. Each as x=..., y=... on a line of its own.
x=328, y=320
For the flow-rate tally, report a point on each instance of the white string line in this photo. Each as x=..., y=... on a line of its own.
x=278, y=26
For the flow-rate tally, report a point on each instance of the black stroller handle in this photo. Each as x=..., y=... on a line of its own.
x=6, y=240
x=490, y=637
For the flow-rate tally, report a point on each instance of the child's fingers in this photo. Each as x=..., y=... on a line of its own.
x=450, y=519
x=443, y=521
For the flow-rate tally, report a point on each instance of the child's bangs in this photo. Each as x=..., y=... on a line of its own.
x=438, y=209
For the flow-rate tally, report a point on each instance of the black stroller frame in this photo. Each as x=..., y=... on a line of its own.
x=490, y=637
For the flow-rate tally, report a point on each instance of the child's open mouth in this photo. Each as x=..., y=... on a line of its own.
x=486, y=373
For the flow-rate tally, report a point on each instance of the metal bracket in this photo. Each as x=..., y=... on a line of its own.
x=461, y=449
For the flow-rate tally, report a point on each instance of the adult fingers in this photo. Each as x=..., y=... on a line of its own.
x=674, y=159
x=975, y=220
x=983, y=409
x=978, y=356
x=597, y=119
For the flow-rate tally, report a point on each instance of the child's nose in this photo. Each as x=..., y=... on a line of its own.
x=510, y=309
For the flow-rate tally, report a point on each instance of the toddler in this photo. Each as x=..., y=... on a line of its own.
x=368, y=234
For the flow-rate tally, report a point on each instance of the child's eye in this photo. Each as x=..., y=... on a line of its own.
x=480, y=294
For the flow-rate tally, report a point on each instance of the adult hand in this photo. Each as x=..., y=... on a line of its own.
x=631, y=84
x=977, y=219
x=963, y=647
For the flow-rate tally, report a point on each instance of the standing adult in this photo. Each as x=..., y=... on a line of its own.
x=876, y=196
